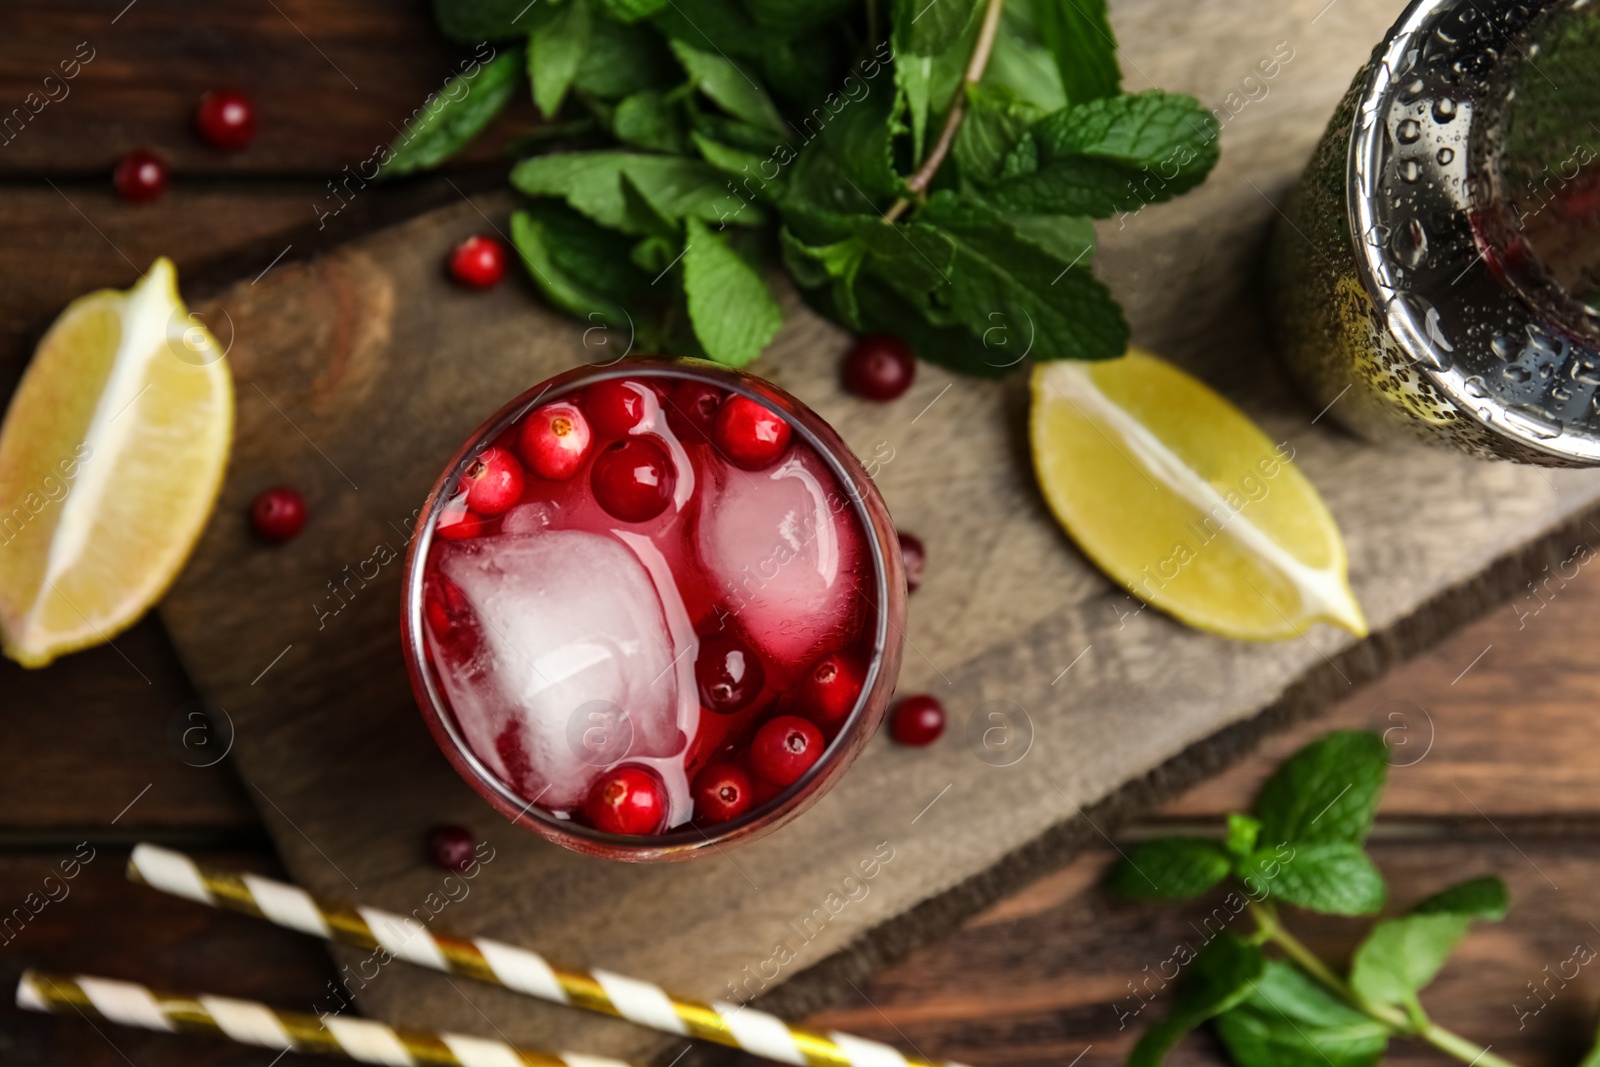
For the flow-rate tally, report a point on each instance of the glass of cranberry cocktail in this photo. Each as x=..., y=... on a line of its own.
x=653, y=607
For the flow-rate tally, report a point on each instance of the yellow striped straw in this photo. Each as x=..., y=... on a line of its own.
x=735, y=1025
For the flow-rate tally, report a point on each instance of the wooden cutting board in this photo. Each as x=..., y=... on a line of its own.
x=361, y=371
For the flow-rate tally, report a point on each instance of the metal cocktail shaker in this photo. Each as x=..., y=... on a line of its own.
x=1437, y=273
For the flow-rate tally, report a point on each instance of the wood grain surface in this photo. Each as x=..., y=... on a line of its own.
x=361, y=370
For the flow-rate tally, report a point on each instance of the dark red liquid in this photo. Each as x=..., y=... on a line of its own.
x=653, y=608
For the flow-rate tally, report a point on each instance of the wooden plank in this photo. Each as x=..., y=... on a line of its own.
x=331, y=83
x=352, y=386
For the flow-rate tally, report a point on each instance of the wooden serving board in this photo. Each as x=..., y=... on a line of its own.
x=361, y=371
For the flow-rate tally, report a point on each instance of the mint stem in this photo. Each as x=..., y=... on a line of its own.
x=919, y=182
x=1435, y=1035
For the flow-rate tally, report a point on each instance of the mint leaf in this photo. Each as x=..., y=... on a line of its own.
x=1328, y=791
x=928, y=27
x=1221, y=976
x=929, y=65
x=457, y=113
x=1117, y=153
x=581, y=268
x=1242, y=834
x=1022, y=64
x=1290, y=1021
x=648, y=120
x=747, y=168
x=555, y=51
x=849, y=167
x=1476, y=898
x=622, y=59
x=472, y=21
x=632, y=10
x=836, y=265
x=1078, y=34
x=591, y=182
x=793, y=17
x=1401, y=956
x=1168, y=868
x=996, y=119
x=999, y=281
x=1070, y=238
x=733, y=312
x=883, y=310
x=721, y=27
x=729, y=86
x=1335, y=878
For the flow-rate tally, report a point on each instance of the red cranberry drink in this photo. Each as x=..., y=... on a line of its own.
x=653, y=607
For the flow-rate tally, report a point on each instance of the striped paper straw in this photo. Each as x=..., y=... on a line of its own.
x=252, y=1023
x=736, y=1025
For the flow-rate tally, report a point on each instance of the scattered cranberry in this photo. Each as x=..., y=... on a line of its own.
x=917, y=720
x=226, y=119
x=692, y=409
x=721, y=792
x=916, y=560
x=750, y=435
x=140, y=177
x=554, y=441
x=828, y=692
x=730, y=675
x=457, y=522
x=277, y=514
x=627, y=800
x=451, y=848
x=493, y=481
x=785, y=748
x=615, y=406
x=879, y=367
x=478, y=262
x=633, y=479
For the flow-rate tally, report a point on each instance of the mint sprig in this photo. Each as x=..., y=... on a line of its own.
x=1303, y=845
x=930, y=171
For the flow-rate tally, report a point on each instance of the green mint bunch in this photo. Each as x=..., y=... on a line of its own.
x=926, y=170
x=1303, y=845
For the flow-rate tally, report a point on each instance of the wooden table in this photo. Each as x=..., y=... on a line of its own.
x=1496, y=719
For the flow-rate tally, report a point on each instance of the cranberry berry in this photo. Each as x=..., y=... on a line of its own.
x=554, y=441
x=692, y=409
x=226, y=119
x=457, y=522
x=451, y=848
x=785, y=748
x=879, y=368
x=633, y=479
x=828, y=692
x=140, y=177
x=750, y=435
x=478, y=262
x=616, y=406
x=493, y=481
x=916, y=560
x=627, y=800
x=277, y=514
x=721, y=792
x=730, y=675
x=917, y=720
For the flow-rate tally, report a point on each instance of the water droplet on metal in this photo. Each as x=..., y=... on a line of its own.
x=1408, y=131
x=1505, y=347
x=1516, y=372
x=1475, y=388
x=1410, y=246
x=1412, y=89
x=1444, y=109
x=1410, y=170
x=1533, y=421
x=1445, y=156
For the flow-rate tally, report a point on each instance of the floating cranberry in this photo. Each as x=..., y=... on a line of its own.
x=627, y=800
x=828, y=692
x=785, y=748
x=692, y=409
x=277, y=514
x=226, y=119
x=478, y=262
x=917, y=720
x=730, y=675
x=457, y=522
x=879, y=368
x=140, y=177
x=554, y=441
x=750, y=435
x=451, y=848
x=633, y=479
x=721, y=792
x=916, y=560
x=449, y=616
x=616, y=406
x=493, y=481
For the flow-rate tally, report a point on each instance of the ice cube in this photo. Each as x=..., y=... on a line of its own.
x=782, y=545
x=573, y=633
